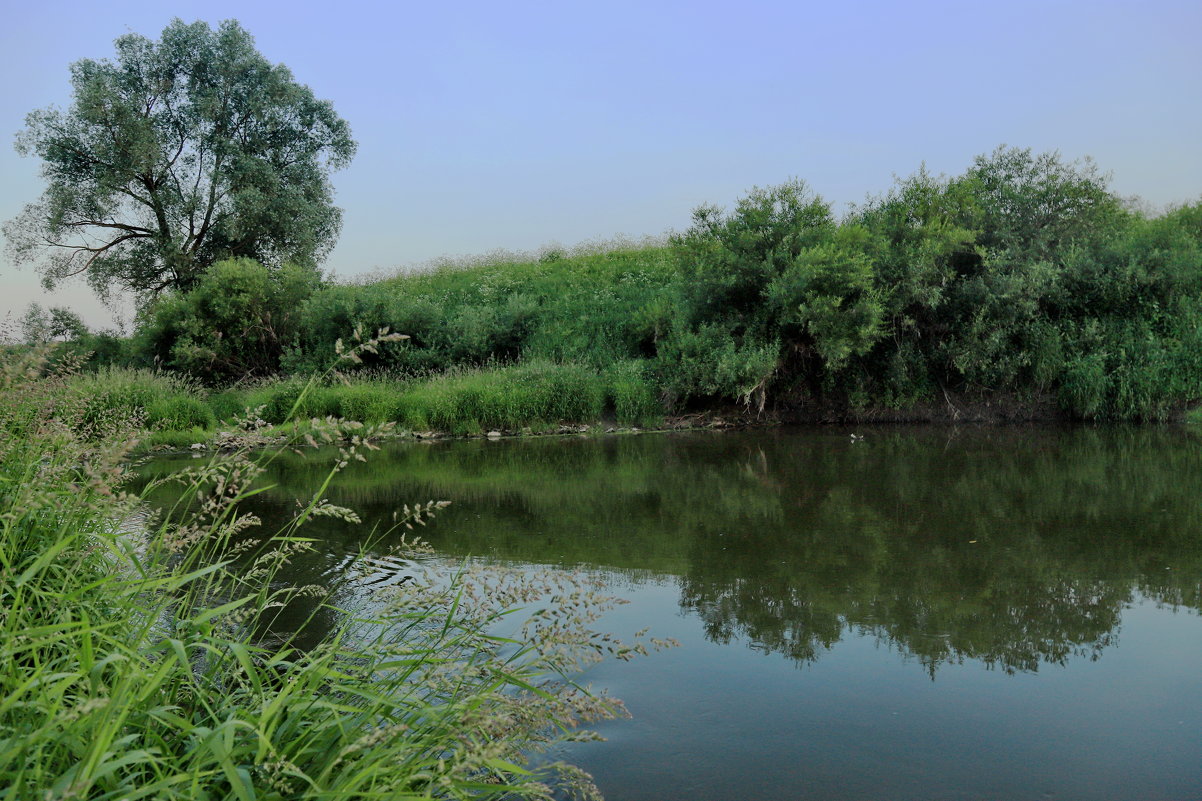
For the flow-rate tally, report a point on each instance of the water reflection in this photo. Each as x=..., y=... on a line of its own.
x=1016, y=548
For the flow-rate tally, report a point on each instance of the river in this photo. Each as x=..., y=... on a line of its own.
x=863, y=613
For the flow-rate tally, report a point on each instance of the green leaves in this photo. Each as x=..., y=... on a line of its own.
x=727, y=261
x=772, y=282
x=236, y=323
x=1034, y=204
x=827, y=293
x=180, y=153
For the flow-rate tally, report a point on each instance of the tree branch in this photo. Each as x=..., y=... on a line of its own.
x=212, y=206
x=118, y=226
x=96, y=252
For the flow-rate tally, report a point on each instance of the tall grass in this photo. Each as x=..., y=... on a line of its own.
x=159, y=400
x=509, y=397
x=534, y=394
x=142, y=656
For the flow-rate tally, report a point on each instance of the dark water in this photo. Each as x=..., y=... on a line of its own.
x=921, y=614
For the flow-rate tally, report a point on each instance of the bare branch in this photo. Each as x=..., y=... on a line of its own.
x=116, y=225
x=96, y=252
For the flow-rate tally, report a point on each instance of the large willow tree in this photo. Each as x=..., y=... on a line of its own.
x=175, y=155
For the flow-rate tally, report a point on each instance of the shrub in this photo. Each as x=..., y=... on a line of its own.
x=235, y=324
x=729, y=260
x=708, y=362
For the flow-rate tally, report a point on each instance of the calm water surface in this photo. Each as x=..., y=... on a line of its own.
x=927, y=613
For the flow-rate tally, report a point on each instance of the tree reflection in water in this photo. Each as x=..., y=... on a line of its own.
x=1014, y=547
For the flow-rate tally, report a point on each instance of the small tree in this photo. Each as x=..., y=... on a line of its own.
x=39, y=325
x=1031, y=206
x=729, y=259
x=178, y=154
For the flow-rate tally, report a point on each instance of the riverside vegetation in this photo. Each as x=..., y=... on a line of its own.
x=1024, y=283
x=139, y=656
x=162, y=649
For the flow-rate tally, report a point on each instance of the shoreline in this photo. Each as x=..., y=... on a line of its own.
x=954, y=412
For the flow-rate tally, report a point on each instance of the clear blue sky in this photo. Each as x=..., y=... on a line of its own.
x=485, y=125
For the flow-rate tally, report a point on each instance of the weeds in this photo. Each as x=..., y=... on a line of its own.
x=140, y=657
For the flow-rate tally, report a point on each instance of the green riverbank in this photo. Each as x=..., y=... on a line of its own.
x=1024, y=288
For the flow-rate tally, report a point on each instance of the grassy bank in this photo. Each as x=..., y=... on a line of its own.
x=533, y=396
x=1024, y=281
x=141, y=656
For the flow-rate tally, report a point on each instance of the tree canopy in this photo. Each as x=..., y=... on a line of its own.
x=175, y=155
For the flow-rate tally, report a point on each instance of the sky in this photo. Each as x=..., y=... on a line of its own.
x=515, y=125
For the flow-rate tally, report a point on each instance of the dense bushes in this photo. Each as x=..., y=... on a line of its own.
x=1024, y=277
x=772, y=283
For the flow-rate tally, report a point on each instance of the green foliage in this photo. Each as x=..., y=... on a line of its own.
x=147, y=659
x=75, y=344
x=237, y=322
x=1085, y=385
x=367, y=403
x=1025, y=277
x=106, y=349
x=178, y=154
x=1034, y=206
x=229, y=404
x=587, y=308
x=39, y=325
x=93, y=404
x=826, y=294
x=176, y=439
x=1028, y=275
x=295, y=399
x=765, y=288
x=708, y=362
x=729, y=260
